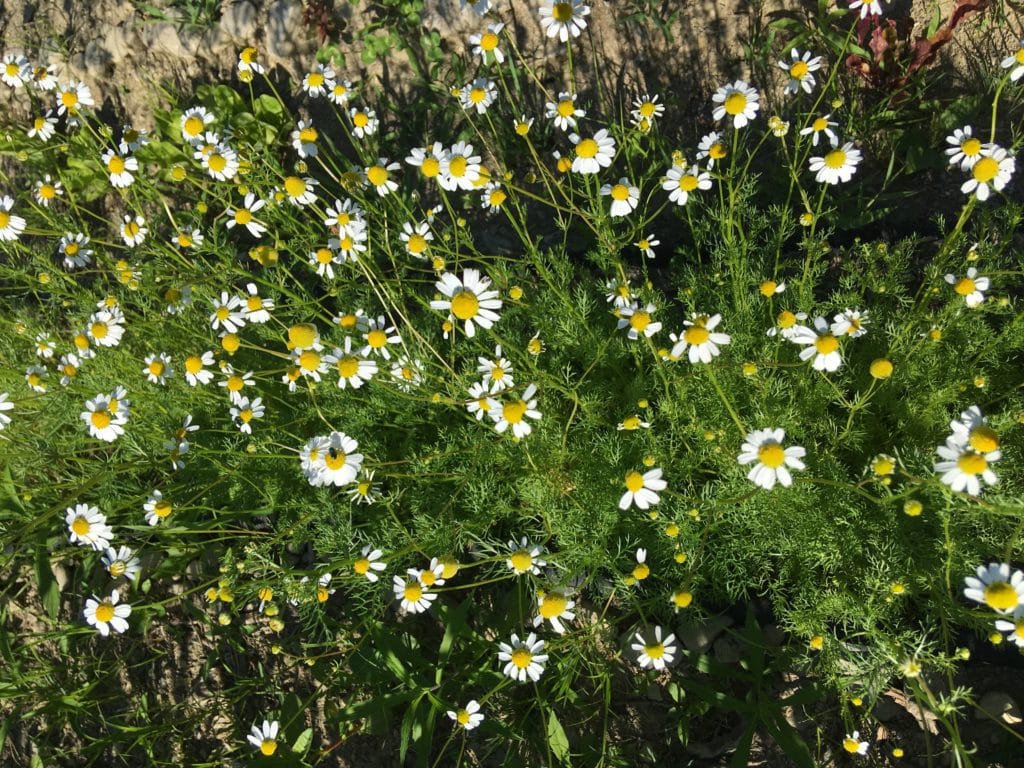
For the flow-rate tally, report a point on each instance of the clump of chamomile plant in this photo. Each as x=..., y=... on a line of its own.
x=272, y=382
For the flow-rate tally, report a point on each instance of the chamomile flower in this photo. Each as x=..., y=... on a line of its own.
x=852, y=743
x=244, y=216
x=964, y=148
x=265, y=738
x=646, y=110
x=701, y=338
x=800, y=70
x=68, y=366
x=647, y=245
x=497, y=371
x=365, y=491
x=787, y=324
x=318, y=82
x=850, y=322
x=971, y=286
x=194, y=122
x=620, y=294
x=773, y=462
x=594, y=153
x=309, y=362
x=478, y=95
x=120, y=168
x=340, y=462
x=493, y=197
x=11, y=226
x=992, y=170
x=633, y=423
x=564, y=112
x=243, y=413
x=819, y=343
x=1015, y=63
x=43, y=127
x=257, y=308
x=563, y=18
x=249, y=64
x=1015, y=628
x=228, y=313
x=962, y=465
x=468, y=717
x=380, y=337
x=157, y=508
x=412, y=596
x=625, y=197
x=486, y=44
x=353, y=368
x=654, y=651
x=121, y=562
x=638, y=319
x=47, y=190
x=837, y=165
x=468, y=299
x=972, y=430
x=822, y=126
x=134, y=230
x=235, y=383
x=72, y=96
x=737, y=100
x=641, y=570
x=73, y=248
x=364, y=122
x=195, y=369
x=379, y=176
x=681, y=181
x=5, y=405
x=87, y=527
x=107, y=613
x=369, y=564
x=514, y=413
x=103, y=423
x=35, y=377
x=867, y=7
x=554, y=606
x=158, y=368
x=221, y=162
x=304, y=139
x=430, y=160
x=16, y=70
x=461, y=168
x=641, y=490
x=524, y=659
x=996, y=587
x=524, y=557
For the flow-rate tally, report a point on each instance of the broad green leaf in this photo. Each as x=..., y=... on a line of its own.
x=557, y=739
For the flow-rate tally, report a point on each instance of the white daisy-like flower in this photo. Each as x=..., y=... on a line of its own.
x=515, y=412
x=310, y=362
x=121, y=562
x=996, y=587
x=87, y=526
x=468, y=300
x=379, y=176
x=773, y=462
x=712, y=148
x=102, y=422
x=364, y=490
x=647, y=245
x=340, y=92
x=304, y=139
x=478, y=95
x=228, y=313
x=853, y=745
x=68, y=366
x=47, y=190
x=461, y=168
x=16, y=70
x=107, y=613
x=837, y=165
x=369, y=564
x=105, y=328
x=641, y=490
x=641, y=570
x=256, y=308
x=265, y=738
x=1015, y=63
x=245, y=411
x=800, y=69
x=682, y=180
x=564, y=112
x=486, y=44
x=822, y=125
x=964, y=148
x=625, y=197
x=738, y=100
x=819, y=343
x=646, y=110
x=158, y=368
x=620, y=293
x=120, y=168
x=194, y=122
x=324, y=259
x=972, y=287
x=638, y=319
x=318, y=82
x=43, y=127
x=300, y=191
x=244, y=216
x=787, y=323
x=1015, y=628
x=353, y=368
x=468, y=717
x=379, y=337
x=633, y=423
x=480, y=403
x=11, y=226
x=972, y=431
x=594, y=153
x=221, y=162
x=962, y=466
x=430, y=160
x=133, y=230
x=563, y=19
x=235, y=382
x=249, y=64
x=850, y=322
x=497, y=371
x=524, y=557
x=157, y=508
x=72, y=97
x=5, y=405
x=36, y=376
x=655, y=652
x=364, y=122
x=524, y=659
x=340, y=462
x=346, y=216
x=412, y=596
x=993, y=170
x=195, y=369
x=554, y=606
x=73, y=248
x=701, y=339
x=407, y=373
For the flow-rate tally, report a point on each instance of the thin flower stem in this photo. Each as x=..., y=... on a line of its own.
x=725, y=400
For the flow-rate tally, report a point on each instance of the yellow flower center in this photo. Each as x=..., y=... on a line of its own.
x=983, y=439
x=156, y=368
x=631, y=422
x=985, y=170
x=477, y=95
x=620, y=192
x=308, y=135
x=430, y=167
x=488, y=41
x=377, y=338
x=971, y=147
x=416, y=244
x=717, y=151
x=647, y=110
x=553, y=605
x=324, y=256
x=881, y=368
x=521, y=560
x=309, y=360
x=361, y=566
x=768, y=288
x=48, y=192
x=115, y=165
x=497, y=198
x=322, y=593
x=465, y=305
x=314, y=79
x=13, y=68
x=457, y=167
x=735, y=103
x=688, y=183
x=565, y=108
x=562, y=12
x=69, y=98
x=514, y=412
x=104, y=611
x=522, y=657
x=641, y=571
x=294, y=186
x=80, y=526
x=451, y=567
x=634, y=480
x=254, y=303
x=462, y=717
x=348, y=367
x=654, y=650
x=1018, y=57
x=965, y=286
x=162, y=508
x=245, y=415
x=193, y=125
x=826, y=344
x=377, y=175
x=217, y=162
x=851, y=745
x=1001, y=596
x=117, y=568
x=835, y=159
x=696, y=335
x=235, y=384
x=638, y=321
x=413, y=592
x=428, y=579
x=772, y=455
x=682, y=598
x=587, y=148
x=302, y=335
x=360, y=119
x=334, y=459
x=268, y=747
x=820, y=124
x=972, y=463
x=100, y=419
x=799, y=70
